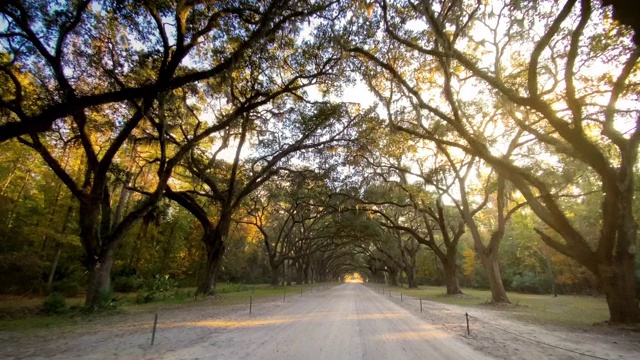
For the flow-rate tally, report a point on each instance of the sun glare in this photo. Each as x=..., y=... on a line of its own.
x=353, y=278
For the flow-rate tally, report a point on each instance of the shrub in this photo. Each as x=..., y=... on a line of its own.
x=157, y=288
x=55, y=304
x=179, y=294
x=20, y=272
x=145, y=297
x=241, y=287
x=160, y=284
x=528, y=282
x=127, y=284
x=67, y=288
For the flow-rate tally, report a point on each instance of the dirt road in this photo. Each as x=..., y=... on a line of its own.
x=347, y=322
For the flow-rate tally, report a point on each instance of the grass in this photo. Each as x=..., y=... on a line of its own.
x=22, y=314
x=565, y=310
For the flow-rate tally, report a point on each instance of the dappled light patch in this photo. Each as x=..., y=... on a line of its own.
x=241, y=323
x=375, y=316
x=430, y=332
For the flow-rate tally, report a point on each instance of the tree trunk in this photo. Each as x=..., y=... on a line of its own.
x=437, y=269
x=125, y=194
x=16, y=202
x=54, y=265
x=52, y=215
x=274, y=275
x=167, y=250
x=214, y=241
x=99, y=289
x=299, y=272
x=134, y=250
x=617, y=276
x=618, y=283
x=288, y=274
x=393, y=276
x=451, y=276
x=63, y=232
x=552, y=276
x=12, y=173
x=305, y=269
x=489, y=259
x=314, y=274
x=207, y=284
x=412, y=283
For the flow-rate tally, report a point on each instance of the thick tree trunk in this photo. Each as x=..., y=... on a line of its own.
x=393, y=276
x=214, y=241
x=274, y=275
x=412, y=283
x=617, y=276
x=489, y=259
x=451, y=276
x=99, y=289
x=215, y=252
x=619, y=285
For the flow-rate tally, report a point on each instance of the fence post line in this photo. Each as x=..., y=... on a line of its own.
x=467, y=316
x=153, y=334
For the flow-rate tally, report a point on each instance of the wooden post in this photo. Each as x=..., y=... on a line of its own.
x=420, y=304
x=400, y=297
x=284, y=296
x=250, y=304
x=153, y=334
x=467, y=316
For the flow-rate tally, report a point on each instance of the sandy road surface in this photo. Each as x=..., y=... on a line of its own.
x=347, y=322
x=350, y=321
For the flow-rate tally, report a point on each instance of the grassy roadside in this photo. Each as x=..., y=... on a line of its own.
x=21, y=314
x=565, y=310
